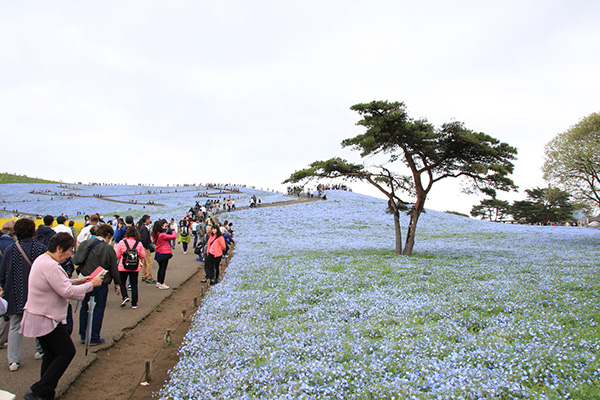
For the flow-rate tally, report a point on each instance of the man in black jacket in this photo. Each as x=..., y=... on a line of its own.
x=45, y=232
x=91, y=254
x=146, y=262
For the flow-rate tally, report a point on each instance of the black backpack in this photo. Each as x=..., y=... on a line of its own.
x=131, y=258
x=44, y=236
x=184, y=229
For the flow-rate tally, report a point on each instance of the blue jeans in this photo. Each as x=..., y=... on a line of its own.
x=100, y=294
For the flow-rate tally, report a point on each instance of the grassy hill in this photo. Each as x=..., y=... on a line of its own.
x=12, y=178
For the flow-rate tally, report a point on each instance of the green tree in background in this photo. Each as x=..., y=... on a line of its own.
x=543, y=205
x=417, y=155
x=491, y=209
x=572, y=161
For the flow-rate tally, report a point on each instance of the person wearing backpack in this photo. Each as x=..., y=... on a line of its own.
x=184, y=233
x=45, y=232
x=91, y=254
x=130, y=251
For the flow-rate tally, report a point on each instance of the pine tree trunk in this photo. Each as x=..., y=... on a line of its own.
x=398, y=232
x=412, y=225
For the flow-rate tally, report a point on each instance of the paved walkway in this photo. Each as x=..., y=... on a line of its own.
x=116, y=320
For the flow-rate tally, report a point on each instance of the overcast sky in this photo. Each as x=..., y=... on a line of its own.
x=248, y=92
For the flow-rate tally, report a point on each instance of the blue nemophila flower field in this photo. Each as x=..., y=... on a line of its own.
x=135, y=200
x=315, y=305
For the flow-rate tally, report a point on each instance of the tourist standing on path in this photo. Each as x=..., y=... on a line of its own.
x=131, y=241
x=115, y=222
x=86, y=233
x=173, y=227
x=195, y=226
x=184, y=233
x=14, y=278
x=146, y=240
x=61, y=227
x=162, y=234
x=45, y=312
x=91, y=254
x=67, y=265
x=120, y=234
x=214, y=251
x=204, y=233
x=120, y=225
x=72, y=228
x=7, y=238
x=45, y=232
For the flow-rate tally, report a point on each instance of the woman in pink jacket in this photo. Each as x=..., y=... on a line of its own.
x=129, y=269
x=45, y=313
x=162, y=234
x=214, y=251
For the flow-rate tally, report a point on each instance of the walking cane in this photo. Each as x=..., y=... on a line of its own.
x=88, y=328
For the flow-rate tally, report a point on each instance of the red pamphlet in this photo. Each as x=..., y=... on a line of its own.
x=97, y=271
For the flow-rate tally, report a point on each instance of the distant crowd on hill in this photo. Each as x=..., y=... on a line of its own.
x=319, y=191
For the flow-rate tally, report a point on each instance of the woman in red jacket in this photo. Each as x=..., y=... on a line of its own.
x=161, y=235
x=214, y=251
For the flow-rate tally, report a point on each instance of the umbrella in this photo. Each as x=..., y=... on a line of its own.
x=88, y=328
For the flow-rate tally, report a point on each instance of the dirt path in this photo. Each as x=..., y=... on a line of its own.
x=119, y=370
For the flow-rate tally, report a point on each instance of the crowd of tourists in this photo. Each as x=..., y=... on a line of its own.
x=319, y=191
x=212, y=206
x=42, y=269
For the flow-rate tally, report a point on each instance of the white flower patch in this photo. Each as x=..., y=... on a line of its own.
x=315, y=305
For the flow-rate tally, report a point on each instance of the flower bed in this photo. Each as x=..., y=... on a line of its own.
x=315, y=305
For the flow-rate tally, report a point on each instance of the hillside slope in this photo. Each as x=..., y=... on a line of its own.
x=12, y=178
x=316, y=305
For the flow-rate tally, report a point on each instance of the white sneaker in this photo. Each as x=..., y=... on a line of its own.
x=161, y=286
x=38, y=355
x=14, y=366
